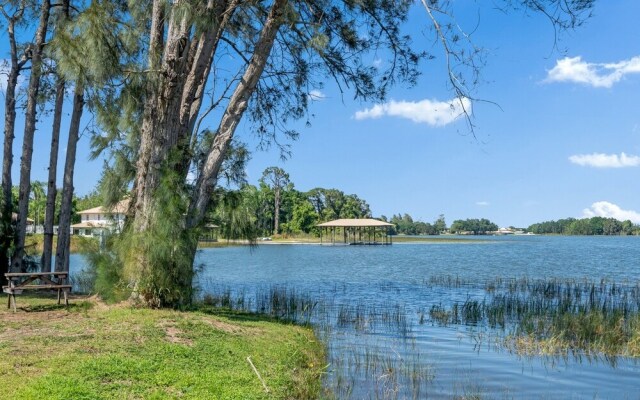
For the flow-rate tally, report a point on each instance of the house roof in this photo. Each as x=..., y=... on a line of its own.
x=14, y=218
x=120, y=208
x=355, y=222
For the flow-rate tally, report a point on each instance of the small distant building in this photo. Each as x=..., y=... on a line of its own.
x=209, y=233
x=30, y=222
x=363, y=231
x=99, y=220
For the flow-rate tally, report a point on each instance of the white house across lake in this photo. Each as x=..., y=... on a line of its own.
x=96, y=221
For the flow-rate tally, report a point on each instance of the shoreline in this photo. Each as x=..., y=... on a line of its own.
x=293, y=241
x=120, y=351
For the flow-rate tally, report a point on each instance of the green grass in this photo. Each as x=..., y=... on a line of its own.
x=34, y=244
x=94, y=351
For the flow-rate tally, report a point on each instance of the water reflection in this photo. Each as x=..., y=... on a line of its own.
x=443, y=320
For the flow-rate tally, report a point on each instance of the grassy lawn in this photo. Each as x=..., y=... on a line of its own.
x=95, y=351
x=34, y=243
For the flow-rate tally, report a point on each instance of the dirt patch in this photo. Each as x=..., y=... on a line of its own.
x=229, y=328
x=21, y=316
x=174, y=334
x=97, y=303
x=19, y=327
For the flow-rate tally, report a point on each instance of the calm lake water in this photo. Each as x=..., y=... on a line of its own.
x=369, y=304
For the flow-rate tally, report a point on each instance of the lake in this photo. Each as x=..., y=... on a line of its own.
x=373, y=305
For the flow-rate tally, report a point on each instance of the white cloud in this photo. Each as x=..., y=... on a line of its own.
x=482, y=203
x=316, y=94
x=431, y=112
x=610, y=210
x=573, y=69
x=600, y=160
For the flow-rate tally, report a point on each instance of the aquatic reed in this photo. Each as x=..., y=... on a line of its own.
x=577, y=316
x=556, y=317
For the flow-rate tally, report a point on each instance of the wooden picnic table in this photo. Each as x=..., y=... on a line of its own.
x=19, y=281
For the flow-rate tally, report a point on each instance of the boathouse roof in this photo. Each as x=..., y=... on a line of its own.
x=355, y=222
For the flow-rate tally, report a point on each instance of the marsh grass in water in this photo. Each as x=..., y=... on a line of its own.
x=553, y=317
x=389, y=375
x=276, y=301
x=532, y=317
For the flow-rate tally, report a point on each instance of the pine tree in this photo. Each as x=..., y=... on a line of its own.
x=29, y=132
x=50, y=211
x=64, y=224
x=277, y=178
x=14, y=15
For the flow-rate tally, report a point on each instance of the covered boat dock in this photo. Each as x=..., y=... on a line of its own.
x=364, y=231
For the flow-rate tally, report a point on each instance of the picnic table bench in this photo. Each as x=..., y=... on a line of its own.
x=19, y=281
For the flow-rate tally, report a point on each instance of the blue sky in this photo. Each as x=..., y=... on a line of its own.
x=564, y=141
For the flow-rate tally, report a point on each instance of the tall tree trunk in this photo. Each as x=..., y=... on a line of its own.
x=208, y=178
x=29, y=132
x=50, y=209
x=64, y=225
x=169, y=108
x=173, y=98
x=201, y=62
x=52, y=191
x=6, y=225
x=276, y=223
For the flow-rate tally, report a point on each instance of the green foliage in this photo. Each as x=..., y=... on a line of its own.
x=235, y=213
x=38, y=199
x=440, y=225
x=299, y=211
x=160, y=259
x=333, y=204
x=276, y=179
x=154, y=266
x=37, y=202
x=474, y=226
x=93, y=47
x=405, y=225
x=105, y=273
x=303, y=218
x=586, y=226
x=90, y=200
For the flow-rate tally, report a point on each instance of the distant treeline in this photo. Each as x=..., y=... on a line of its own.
x=586, y=226
x=405, y=225
x=474, y=226
x=251, y=210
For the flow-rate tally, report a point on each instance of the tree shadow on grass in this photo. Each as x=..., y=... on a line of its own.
x=242, y=316
x=48, y=302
